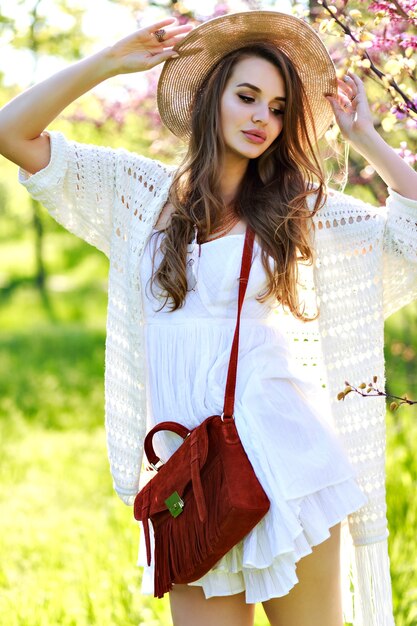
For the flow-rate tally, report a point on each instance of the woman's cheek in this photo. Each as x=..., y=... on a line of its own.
x=279, y=126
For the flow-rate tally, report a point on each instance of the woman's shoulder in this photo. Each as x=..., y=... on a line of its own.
x=341, y=205
x=150, y=161
x=143, y=168
x=129, y=163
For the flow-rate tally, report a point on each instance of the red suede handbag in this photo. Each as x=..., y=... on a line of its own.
x=206, y=497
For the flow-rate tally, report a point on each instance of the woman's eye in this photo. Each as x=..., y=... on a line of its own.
x=246, y=98
x=250, y=99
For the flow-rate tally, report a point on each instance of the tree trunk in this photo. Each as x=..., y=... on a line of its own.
x=40, y=272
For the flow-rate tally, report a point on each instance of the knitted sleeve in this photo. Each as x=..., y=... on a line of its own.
x=86, y=188
x=351, y=228
x=79, y=185
x=110, y=198
x=400, y=252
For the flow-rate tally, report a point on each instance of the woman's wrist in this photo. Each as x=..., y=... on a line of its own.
x=102, y=65
x=109, y=63
x=365, y=141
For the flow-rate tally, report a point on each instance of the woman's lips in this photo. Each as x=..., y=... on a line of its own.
x=252, y=137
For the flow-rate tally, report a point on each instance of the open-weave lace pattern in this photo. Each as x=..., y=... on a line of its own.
x=365, y=269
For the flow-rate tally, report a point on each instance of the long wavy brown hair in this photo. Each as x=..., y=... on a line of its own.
x=272, y=197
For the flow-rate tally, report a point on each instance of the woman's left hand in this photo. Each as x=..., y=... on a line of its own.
x=351, y=108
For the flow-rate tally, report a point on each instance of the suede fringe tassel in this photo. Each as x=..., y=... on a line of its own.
x=373, y=605
x=194, y=541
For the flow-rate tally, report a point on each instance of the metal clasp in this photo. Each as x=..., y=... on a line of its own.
x=175, y=504
x=157, y=466
x=222, y=416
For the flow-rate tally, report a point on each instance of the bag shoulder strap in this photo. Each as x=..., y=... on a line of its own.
x=229, y=397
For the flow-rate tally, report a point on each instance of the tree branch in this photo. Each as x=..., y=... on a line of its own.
x=372, y=392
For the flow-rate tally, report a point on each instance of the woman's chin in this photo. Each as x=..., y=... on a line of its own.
x=246, y=152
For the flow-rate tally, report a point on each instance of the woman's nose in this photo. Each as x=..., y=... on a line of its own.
x=261, y=114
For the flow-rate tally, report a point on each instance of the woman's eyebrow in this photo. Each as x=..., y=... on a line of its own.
x=258, y=90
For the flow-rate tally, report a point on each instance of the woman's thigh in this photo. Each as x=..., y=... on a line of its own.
x=189, y=606
x=316, y=598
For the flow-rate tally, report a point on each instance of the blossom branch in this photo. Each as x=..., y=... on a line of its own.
x=388, y=81
x=400, y=10
x=372, y=392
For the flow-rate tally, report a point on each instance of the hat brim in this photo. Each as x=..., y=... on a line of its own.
x=209, y=42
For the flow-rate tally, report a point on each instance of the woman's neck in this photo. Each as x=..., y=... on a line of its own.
x=232, y=173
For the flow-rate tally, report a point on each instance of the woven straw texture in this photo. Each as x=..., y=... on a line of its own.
x=208, y=43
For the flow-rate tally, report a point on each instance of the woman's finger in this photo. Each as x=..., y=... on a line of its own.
x=160, y=57
x=357, y=83
x=337, y=107
x=173, y=37
x=168, y=33
x=344, y=99
x=157, y=25
x=361, y=100
x=346, y=89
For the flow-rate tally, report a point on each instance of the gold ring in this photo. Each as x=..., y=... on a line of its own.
x=160, y=34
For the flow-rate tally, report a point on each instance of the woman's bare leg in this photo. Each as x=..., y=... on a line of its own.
x=316, y=598
x=190, y=607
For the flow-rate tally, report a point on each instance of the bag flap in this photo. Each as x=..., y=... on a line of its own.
x=174, y=475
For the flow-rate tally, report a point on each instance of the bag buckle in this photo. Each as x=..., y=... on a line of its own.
x=157, y=466
x=175, y=504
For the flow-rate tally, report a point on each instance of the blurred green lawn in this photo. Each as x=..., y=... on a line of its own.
x=68, y=544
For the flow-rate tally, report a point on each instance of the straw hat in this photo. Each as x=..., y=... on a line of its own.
x=204, y=46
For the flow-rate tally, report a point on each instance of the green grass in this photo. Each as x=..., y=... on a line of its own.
x=68, y=545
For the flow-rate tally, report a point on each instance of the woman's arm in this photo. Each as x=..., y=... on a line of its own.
x=23, y=120
x=355, y=121
x=399, y=240
x=393, y=170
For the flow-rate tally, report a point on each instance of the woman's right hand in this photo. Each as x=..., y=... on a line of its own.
x=141, y=50
x=24, y=118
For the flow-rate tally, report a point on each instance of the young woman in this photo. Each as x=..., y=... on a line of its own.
x=251, y=93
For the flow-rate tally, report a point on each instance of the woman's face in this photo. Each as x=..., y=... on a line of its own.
x=252, y=108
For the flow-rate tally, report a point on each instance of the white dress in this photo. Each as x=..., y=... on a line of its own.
x=287, y=436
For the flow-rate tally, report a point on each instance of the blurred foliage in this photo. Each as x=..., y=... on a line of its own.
x=63, y=38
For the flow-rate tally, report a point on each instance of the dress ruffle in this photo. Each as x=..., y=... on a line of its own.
x=264, y=563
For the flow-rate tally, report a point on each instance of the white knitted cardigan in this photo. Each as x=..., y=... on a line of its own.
x=365, y=269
